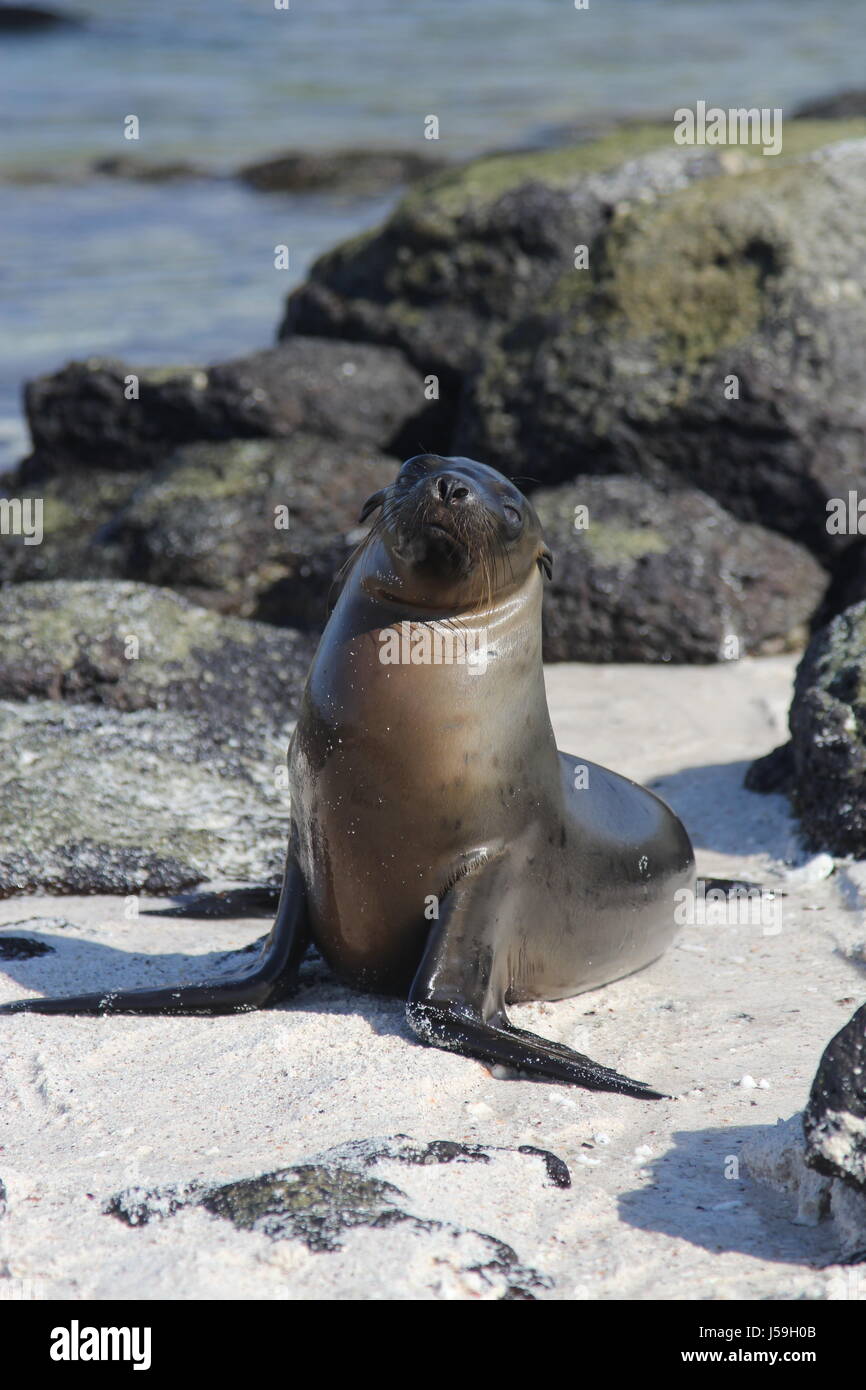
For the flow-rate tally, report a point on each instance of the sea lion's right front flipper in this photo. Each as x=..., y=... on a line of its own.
x=457, y=1000
x=271, y=977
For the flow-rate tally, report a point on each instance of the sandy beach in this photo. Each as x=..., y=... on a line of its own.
x=732, y=1022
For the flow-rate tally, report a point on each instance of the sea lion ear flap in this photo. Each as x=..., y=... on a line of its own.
x=545, y=562
x=371, y=504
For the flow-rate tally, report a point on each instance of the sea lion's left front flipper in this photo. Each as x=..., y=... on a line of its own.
x=457, y=1000
x=270, y=978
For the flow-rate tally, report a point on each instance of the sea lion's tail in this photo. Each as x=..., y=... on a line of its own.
x=271, y=977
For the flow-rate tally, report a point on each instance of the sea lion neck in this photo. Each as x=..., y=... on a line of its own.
x=470, y=600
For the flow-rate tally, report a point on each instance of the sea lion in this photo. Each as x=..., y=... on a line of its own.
x=441, y=848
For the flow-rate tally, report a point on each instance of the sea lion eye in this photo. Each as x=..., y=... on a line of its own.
x=512, y=513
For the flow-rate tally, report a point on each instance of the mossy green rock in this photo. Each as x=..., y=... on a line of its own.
x=474, y=247
x=143, y=740
x=667, y=577
x=230, y=524
x=357, y=171
x=828, y=735
x=717, y=339
x=134, y=647
x=249, y=527
x=74, y=508
x=704, y=265
x=322, y=1202
x=96, y=801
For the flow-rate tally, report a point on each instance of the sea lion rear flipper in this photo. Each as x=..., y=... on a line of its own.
x=457, y=998
x=271, y=978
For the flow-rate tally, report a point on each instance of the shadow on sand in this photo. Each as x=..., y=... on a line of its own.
x=721, y=815
x=701, y=1192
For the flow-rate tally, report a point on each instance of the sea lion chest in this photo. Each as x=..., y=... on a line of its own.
x=408, y=756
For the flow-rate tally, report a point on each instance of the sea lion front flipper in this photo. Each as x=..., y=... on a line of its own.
x=457, y=998
x=269, y=979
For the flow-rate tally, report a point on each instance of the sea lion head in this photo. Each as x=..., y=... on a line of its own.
x=456, y=532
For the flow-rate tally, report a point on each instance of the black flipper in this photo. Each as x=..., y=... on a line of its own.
x=270, y=978
x=457, y=998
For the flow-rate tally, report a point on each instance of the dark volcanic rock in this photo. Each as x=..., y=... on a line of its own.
x=75, y=506
x=351, y=171
x=839, y=106
x=133, y=647
x=472, y=248
x=722, y=284
x=321, y=1201
x=80, y=417
x=667, y=577
x=779, y=1156
x=704, y=265
x=368, y=395
x=304, y=598
x=22, y=19
x=96, y=801
x=835, y=1118
x=772, y=773
x=828, y=733
x=120, y=166
x=205, y=524
x=848, y=586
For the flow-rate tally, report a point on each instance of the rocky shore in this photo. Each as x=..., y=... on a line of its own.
x=709, y=339
x=664, y=345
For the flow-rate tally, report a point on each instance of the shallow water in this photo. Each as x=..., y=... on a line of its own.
x=152, y=273
x=184, y=271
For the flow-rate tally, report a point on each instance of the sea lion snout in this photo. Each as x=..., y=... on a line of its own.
x=461, y=484
x=446, y=505
x=451, y=490
x=454, y=495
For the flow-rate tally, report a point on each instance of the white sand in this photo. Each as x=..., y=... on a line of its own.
x=90, y=1106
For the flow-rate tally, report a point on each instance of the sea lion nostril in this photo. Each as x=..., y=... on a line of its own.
x=451, y=489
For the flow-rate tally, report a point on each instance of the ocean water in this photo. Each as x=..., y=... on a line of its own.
x=183, y=272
